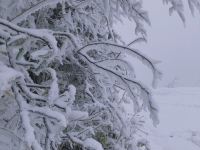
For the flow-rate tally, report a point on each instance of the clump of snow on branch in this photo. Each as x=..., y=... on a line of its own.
x=92, y=144
x=7, y=76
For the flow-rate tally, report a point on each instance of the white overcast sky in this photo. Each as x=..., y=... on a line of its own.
x=176, y=46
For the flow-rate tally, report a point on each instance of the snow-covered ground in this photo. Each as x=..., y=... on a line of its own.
x=179, y=113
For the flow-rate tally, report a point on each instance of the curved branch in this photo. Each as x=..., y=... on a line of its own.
x=130, y=51
x=22, y=16
x=115, y=74
x=140, y=39
x=42, y=34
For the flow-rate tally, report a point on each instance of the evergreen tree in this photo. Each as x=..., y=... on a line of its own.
x=64, y=77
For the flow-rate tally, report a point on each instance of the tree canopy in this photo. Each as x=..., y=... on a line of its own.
x=65, y=77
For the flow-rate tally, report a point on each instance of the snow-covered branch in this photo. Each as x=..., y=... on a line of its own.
x=42, y=34
x=133, y=52
x=44, y=3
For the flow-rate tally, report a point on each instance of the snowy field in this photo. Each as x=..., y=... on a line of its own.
x=179, y=127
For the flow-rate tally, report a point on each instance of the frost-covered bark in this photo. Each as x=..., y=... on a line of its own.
x=64, y=77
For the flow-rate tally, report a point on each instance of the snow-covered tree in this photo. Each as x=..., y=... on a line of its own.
x=64, y=77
